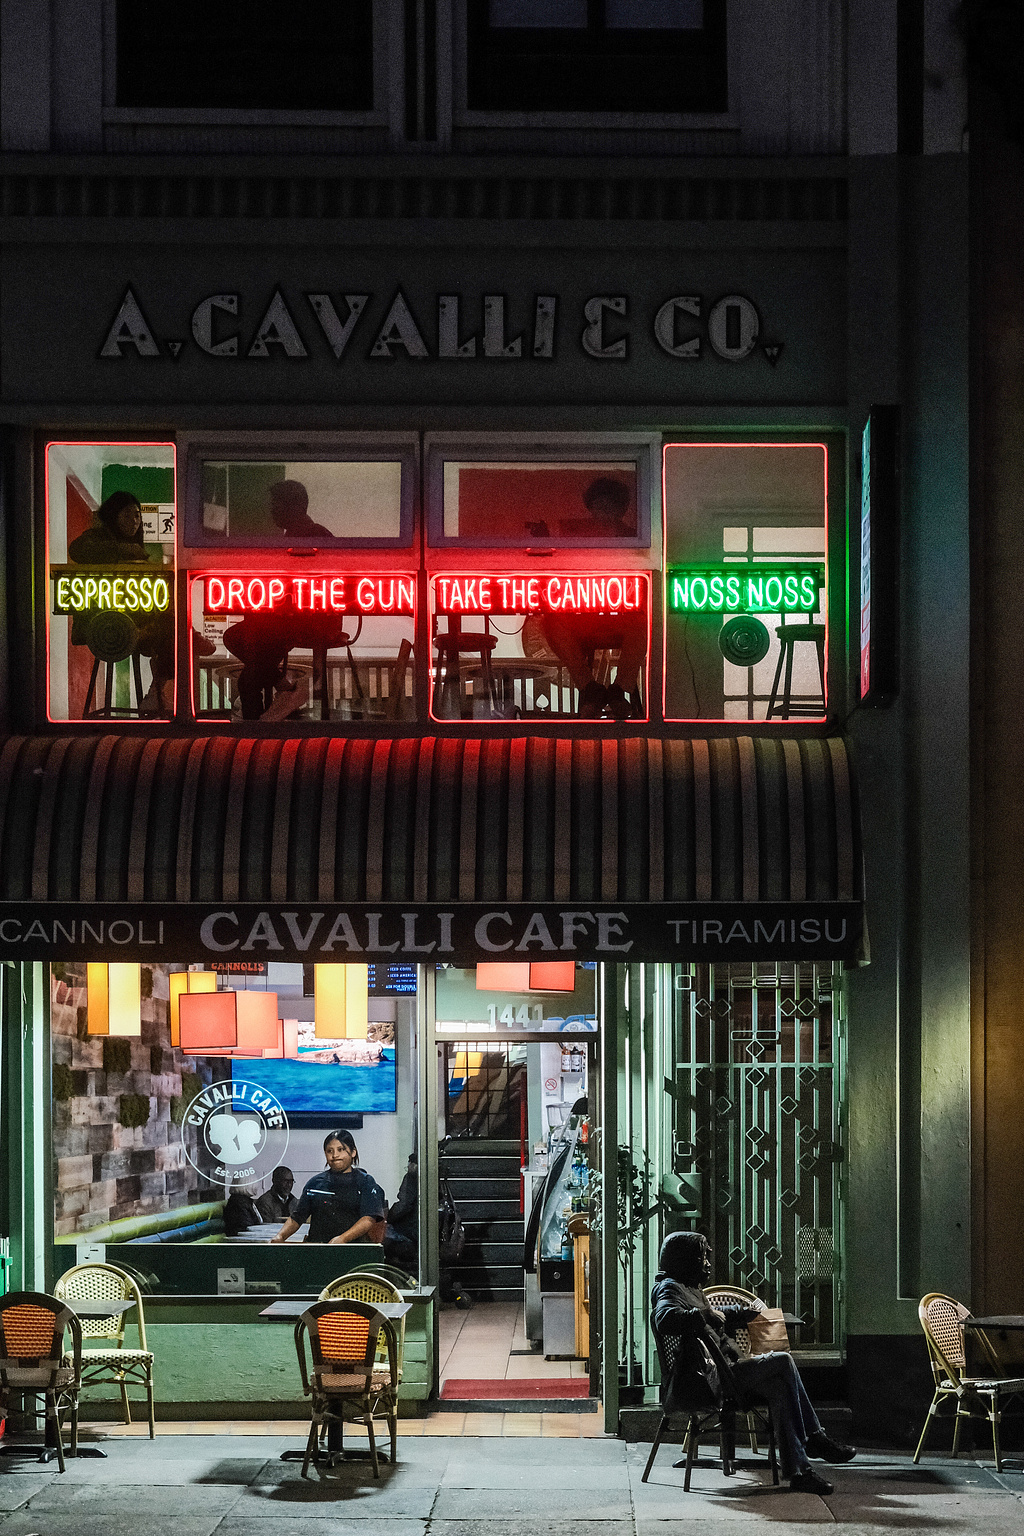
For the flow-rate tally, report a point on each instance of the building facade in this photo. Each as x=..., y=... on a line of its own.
x=549, y=425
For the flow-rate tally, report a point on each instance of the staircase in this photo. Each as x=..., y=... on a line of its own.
x=485, y=1184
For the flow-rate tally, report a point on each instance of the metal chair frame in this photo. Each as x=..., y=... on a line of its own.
x=358, y=1392
x=701, y=1421
x=730, y=1296
x=45, y=1375
x=115, y=1365
x=942, y=1319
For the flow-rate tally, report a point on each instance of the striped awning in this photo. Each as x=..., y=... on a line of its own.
x=427, y=822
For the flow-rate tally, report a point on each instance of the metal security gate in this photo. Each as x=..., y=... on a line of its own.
x=756, y=1130
x=728, y=1085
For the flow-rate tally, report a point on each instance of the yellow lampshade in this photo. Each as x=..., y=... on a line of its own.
x=114, y=1000
x=340, y=994
x=187, y=981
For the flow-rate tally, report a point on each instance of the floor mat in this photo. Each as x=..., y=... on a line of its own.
x=510, y=1389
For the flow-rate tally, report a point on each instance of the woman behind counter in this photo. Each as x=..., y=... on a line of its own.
x=343, y=1204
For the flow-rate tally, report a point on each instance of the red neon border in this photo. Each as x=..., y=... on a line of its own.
x=111, y=442
x=707, y=719
x=552, y=719
x=205, y=572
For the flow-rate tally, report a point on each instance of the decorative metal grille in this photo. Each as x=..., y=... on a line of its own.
x=755, y=1089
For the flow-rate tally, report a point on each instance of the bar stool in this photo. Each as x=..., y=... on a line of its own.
x=450, y=648
x=790, y=635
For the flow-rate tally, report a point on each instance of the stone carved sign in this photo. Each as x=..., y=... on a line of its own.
x=684, y=326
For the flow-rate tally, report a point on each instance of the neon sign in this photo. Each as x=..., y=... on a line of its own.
x=612, y=592
x=319, y=592
x=745, y=589
x=110, y=592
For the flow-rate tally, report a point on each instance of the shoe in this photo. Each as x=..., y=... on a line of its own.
x=823, y=1448
x=809, y=1482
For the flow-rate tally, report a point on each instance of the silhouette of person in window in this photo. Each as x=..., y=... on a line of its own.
x=289, y=509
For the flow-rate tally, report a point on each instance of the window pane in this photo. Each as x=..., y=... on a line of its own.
x=662, y=14
x=522, y=503
x=110, y=616
x=538, y=13
x=745, y=612
x=310, y=55
x=316, y=502
x=270, y=644
x=515, y=645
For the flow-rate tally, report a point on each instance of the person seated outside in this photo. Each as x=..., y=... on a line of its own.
x=278, y=1202
x=289, y=509
x=680, y=1309
x=240, y=1212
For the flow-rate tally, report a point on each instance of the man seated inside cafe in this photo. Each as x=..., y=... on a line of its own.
x=278, y=1203
x=240, y=1212
x=681, y=1310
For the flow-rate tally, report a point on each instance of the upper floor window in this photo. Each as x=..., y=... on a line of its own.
x=310, y=55
x=649, y=56
x=110, y=529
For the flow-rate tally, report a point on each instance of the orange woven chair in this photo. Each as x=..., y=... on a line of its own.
x=367, y=1286
x=346, y=1382
x=33, y=1362
x=942, y=1319
x=108, y=1363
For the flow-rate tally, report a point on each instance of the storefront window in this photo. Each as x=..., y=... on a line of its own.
x=567, y=505
x=110, y=519
x=179, y=1093
x=309, y=503
x=511, y=645
x=324, y=645
x=746, y=617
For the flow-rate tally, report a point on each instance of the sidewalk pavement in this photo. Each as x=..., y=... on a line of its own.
x=235, y=1485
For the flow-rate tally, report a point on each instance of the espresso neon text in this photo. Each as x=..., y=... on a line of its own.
x=310, y=594
x=113, y=592
x=540, y=594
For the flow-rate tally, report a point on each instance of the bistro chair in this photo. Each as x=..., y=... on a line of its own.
x=976, y=1397
x=398, y=1277
x=371, y=1287
x=702, y=1419
x=346, y=1381
x=33, y=1362
x=735, y=1296
x=107, y=1362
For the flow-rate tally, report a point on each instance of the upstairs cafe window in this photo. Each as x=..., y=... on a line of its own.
x=746, y=614
x=110, y=524
x=559, y=629
x=305, y=606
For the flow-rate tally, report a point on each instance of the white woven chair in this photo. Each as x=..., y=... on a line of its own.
x=942, y=1319
x=109, y=1363
x=735, y=1296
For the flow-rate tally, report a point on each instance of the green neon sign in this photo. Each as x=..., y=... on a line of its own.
x=117, y=591
x=745, y=588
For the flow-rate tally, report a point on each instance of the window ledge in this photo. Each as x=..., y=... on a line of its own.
x=205, y=117
x=683, y=122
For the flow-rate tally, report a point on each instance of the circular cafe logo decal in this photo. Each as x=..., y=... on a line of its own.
x=241, y=1132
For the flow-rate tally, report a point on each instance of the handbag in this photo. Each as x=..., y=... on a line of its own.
x=767, y=1332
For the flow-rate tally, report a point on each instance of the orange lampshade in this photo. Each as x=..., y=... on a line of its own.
x=503, y=978
x=258, y=1024
x=553, y=976
x=208, y=1022
x=114, y=999
x=181, y=982
x=290, y=1038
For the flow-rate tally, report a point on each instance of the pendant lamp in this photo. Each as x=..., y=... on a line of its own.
x=502, y=978
x=553, y=976
x=187, y=981
x=340, y=1001
x=114, y=999
x=208, y=1022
